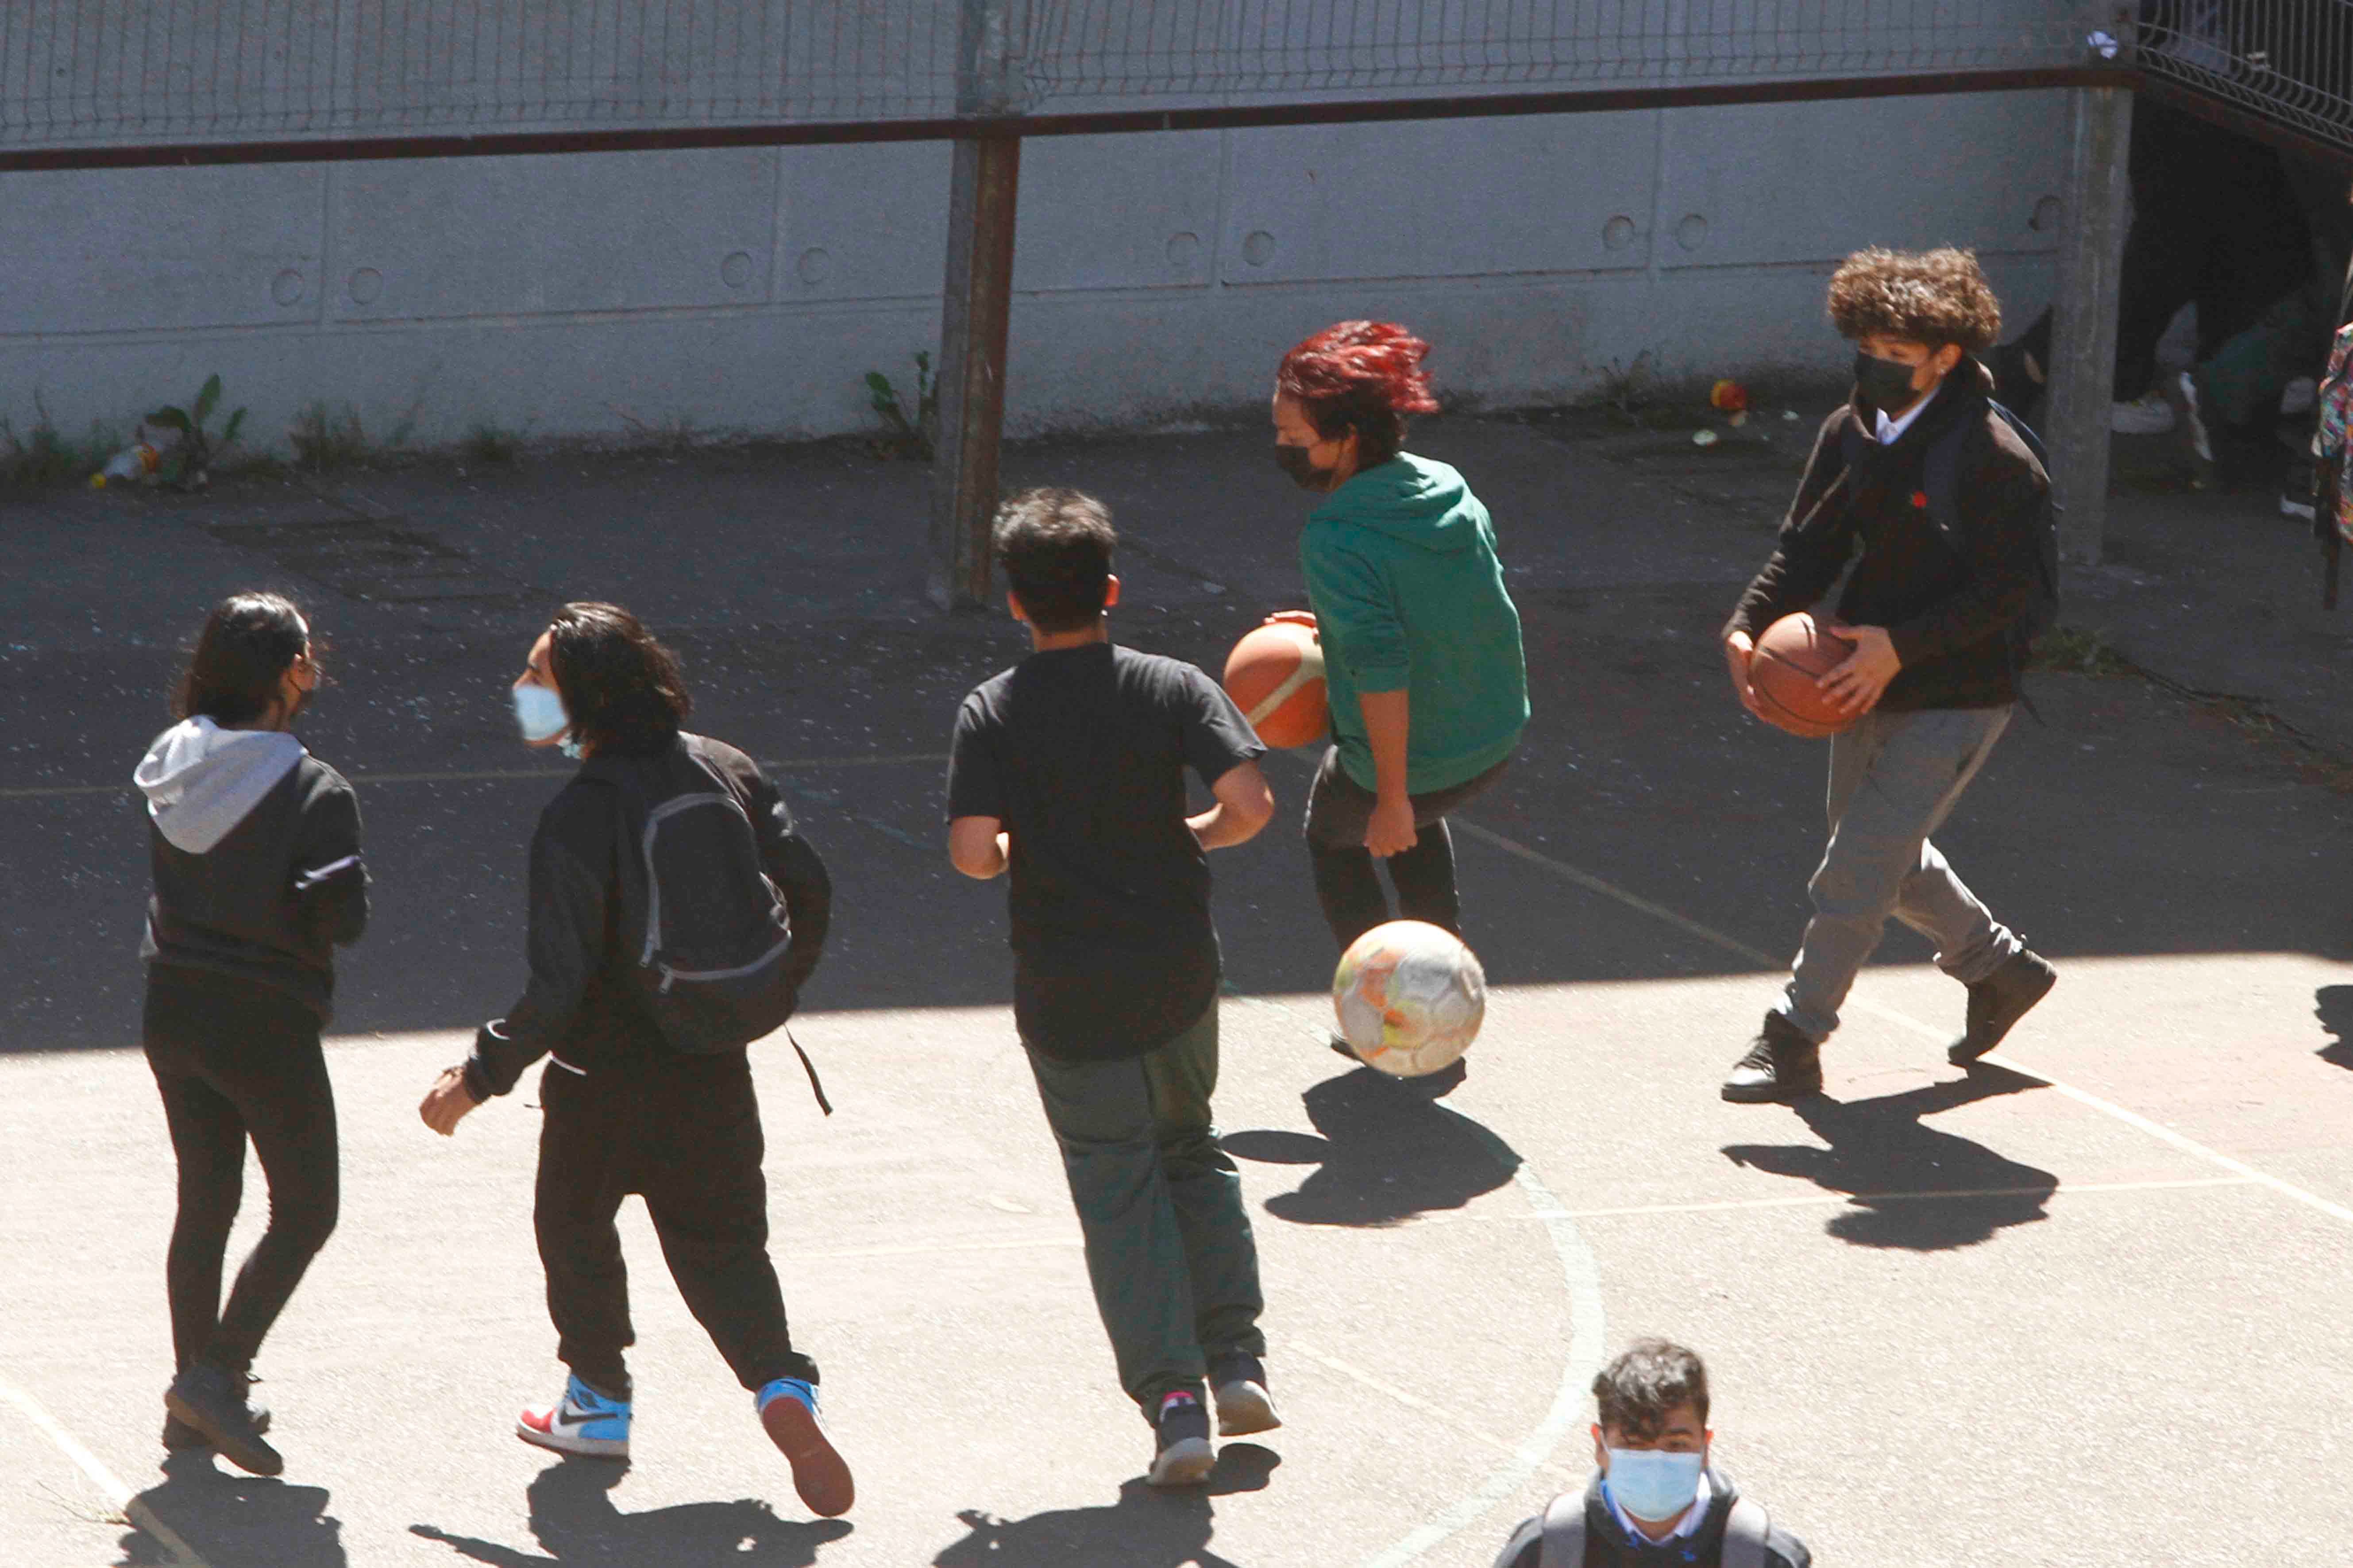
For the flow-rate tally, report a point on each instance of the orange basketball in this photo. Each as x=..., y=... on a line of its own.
x=1275, y=676
x=1793, y=652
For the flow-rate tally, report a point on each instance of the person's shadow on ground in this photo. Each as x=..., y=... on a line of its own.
x=1913, y=1187
x=226, y=1517
x=574, y=1521
x=1387, y=1151
x=2333, y=1005
x=1145, y=1529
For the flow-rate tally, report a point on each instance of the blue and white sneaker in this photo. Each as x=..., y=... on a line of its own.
x=787, y=1410
x=583, y=1422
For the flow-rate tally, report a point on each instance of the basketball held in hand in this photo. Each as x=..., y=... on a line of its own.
x=1275, y=676
x=1793, y=654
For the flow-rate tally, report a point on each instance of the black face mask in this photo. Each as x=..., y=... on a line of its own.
x=1884, y=384
x=1296, y=461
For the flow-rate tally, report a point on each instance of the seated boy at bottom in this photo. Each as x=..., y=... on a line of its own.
x=1654, y=1500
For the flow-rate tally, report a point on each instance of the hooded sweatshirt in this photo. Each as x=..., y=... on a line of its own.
x=256, y=849
x=1409, y=596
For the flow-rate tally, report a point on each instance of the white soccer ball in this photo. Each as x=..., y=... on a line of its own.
x=1410, y=997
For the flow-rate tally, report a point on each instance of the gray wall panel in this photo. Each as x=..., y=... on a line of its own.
x=615, y=231
x=1442, y=198
x=158, y=249
x=555, y=293
x=863, y=222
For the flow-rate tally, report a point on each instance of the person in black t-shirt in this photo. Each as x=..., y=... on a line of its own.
x=1069, y=770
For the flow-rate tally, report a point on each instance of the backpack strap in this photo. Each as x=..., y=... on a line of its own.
x=1743, y=1535
x=1564, y=1533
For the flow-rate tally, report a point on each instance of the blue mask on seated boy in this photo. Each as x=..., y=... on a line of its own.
x=1652, y=1484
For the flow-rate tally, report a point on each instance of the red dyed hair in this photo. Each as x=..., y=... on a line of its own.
x=1364, y=376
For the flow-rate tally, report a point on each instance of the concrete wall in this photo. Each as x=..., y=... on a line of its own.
x=1158, y=275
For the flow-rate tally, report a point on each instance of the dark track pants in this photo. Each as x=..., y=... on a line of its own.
x=1338, y=809
x=236, y=1059
x=1169, y=1248
x=683, y=1132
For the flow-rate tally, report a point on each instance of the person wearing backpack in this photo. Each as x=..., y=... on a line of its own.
x=255, y=846
x=1654, y=1499
x=1942, y=494
x=1068, y=771
x=675, y=913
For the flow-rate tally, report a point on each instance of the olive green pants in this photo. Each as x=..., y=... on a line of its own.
x=1169, y=1249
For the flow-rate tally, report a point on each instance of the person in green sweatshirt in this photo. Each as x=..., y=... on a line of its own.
x=1423, y=666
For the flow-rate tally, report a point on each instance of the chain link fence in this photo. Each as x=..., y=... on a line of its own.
x=208, y=79
x=2287, y=64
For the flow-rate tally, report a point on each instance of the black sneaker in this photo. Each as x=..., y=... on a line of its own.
x=179, y=1437
x=1999, y=1001
x=1181, y=1453
x=213, y=1402
x=1781, y=1065
x=1238, y=1383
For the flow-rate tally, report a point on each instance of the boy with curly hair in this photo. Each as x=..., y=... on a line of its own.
x=1930, y=605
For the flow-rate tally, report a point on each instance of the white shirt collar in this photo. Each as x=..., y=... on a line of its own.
x=1889, y=431
x=1685, y=1526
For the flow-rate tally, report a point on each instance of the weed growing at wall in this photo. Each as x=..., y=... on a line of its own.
x=905, y=437
x=43, y=456
x=327, y=438
x=188, y=464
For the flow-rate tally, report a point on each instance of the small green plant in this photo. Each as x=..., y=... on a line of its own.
x=1627, y=387
x=489, y=445
x=2073, y=650
x=906, y=436
x=188, y=464
x=327, y=438
x=43, y=457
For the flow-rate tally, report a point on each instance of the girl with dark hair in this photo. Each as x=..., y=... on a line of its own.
x=256, y=849
x=1422, y=643
x=664, y=844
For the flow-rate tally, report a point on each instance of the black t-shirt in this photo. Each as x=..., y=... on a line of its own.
x=1081, y=753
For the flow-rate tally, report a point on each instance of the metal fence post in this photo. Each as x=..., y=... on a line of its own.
x=975, y=310
x=2083, y=339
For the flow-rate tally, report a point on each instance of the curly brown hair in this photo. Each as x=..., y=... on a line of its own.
x=1933, y=297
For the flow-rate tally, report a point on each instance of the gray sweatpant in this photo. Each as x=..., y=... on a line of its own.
x=1893, y=780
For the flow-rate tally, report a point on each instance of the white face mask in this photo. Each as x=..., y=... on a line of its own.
x=538, y=712
x=1652, y=1484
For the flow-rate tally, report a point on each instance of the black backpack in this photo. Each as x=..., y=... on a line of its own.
x=1941, y=483
x=709, y=930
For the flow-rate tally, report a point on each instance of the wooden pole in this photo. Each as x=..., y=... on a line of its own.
x=2083, y=336
x=975, y=316
x=977, y=308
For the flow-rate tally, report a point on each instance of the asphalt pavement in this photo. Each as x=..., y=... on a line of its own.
x=2080, y=1308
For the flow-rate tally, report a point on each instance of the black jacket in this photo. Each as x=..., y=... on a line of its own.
x=581, y=1003
x=1607, y=1546
x=1948, y=609
x=271, y=899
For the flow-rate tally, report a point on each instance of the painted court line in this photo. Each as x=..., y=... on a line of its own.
x=490, y=775
x=1588, y=1328
x=105, y=1480
x=1415, y=1402
x=2157, y=1130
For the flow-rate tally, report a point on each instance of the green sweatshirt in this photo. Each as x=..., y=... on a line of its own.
x=1408, y=595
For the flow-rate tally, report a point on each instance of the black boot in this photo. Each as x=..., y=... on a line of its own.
x=213, y=1402
x=178, y=1435
x=1781, y=1064
x=1999, y=1001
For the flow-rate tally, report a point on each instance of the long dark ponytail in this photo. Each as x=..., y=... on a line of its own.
x=240, y=658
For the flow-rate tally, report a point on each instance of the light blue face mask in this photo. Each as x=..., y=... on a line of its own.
x=1652, y=1484
x=539, y=713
